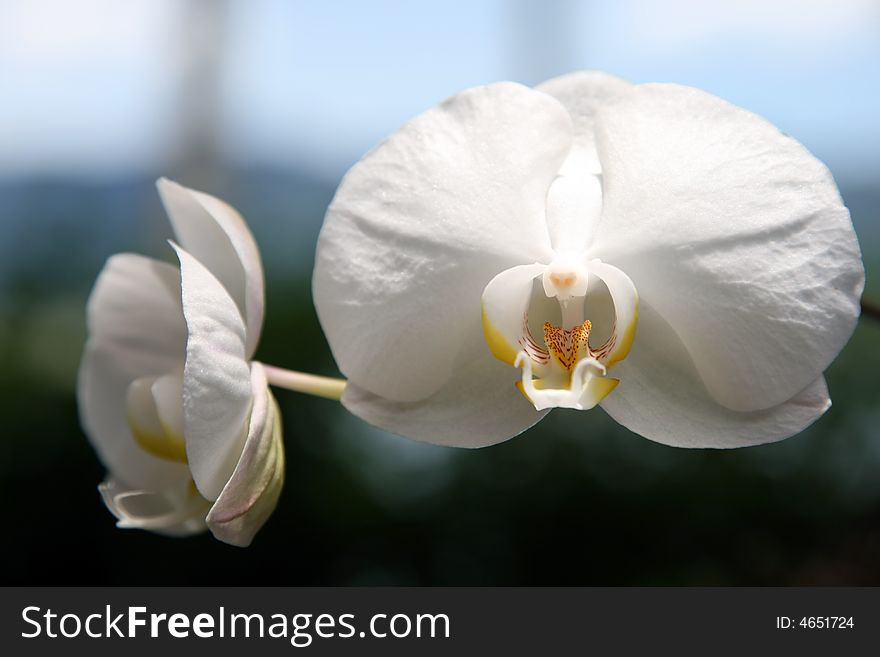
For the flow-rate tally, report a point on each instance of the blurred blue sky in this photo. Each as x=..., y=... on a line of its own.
x=91, y=87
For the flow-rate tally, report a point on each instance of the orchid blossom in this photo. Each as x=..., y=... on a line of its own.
x=648, y=248
x=168, y=394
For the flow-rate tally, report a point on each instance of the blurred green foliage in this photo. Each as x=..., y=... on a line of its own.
x=576, y=500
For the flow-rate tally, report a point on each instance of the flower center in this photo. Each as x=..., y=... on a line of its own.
x=564, y=369
x=154, y=406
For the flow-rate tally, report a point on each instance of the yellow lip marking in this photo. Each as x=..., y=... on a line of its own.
x=568, y=346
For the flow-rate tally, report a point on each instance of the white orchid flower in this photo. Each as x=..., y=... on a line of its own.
x=168, y=395
x=650, y=248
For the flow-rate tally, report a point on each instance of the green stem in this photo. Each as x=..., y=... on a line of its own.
x=310, y=384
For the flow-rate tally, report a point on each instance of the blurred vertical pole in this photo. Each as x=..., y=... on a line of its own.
x=541, y=38
x=202, y=37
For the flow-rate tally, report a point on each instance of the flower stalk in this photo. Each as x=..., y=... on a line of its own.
x=310, y=384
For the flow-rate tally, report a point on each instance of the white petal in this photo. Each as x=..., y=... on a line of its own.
x=661, y=397
x=219, y=238
x=136, y=329
x=735, y=234
x=421, y=225
x=216, y=380
x=479, y=406
x=505, y=302
x=252, y=492
x=583, y=93
x=180, y=513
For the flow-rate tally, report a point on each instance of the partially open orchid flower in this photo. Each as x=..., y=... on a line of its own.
x=168, y=395
x=650, y=248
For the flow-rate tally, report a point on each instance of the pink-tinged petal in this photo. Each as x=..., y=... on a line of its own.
x=252, y=492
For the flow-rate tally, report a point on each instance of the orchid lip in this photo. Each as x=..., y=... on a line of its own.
x=588, y=386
